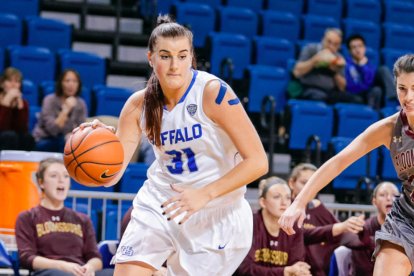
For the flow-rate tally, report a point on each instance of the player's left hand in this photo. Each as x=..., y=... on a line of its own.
x=188, y=201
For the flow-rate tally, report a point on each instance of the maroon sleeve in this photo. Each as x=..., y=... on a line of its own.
x=90, y=247
x=22, y=118
x=319, y=234
x=6, y=114
x=26, y=239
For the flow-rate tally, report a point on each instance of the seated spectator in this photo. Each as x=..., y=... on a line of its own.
x=382, y=198
x=320, y=70
x=14, y=113
x=61, y=113
x=273, y=252
x=369, y=84
x=54, y=240
x=318, y=255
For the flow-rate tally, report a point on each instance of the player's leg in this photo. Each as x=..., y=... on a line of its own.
x=133, y=268
x=391, y=260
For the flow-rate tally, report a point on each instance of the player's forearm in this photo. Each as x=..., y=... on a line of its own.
x=244, y=173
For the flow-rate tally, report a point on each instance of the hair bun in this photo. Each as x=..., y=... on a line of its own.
x=163, y=19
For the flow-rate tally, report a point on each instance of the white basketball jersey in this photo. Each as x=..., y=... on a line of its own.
x=195, y=151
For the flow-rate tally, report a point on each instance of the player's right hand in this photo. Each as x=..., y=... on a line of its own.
x=94, y=124
x=292, y=214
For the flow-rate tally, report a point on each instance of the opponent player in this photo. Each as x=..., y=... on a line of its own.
x=394, y=242
x=191, y=211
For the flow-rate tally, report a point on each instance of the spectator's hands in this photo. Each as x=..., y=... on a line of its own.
x=337, y=64
x=69, y=104
x=73, y=268
x=94, y=124
x=354, y=224
x=324, y=56
x=88, y=270
x=298, y=269
x=188, y=201
x=13, y=98
x=292, y=214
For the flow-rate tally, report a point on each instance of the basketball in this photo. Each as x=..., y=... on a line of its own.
x=93, y=156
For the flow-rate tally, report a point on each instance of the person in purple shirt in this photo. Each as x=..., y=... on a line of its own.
x=364, y=80
x=273, y=252
x=319, y=254
x=53, y=240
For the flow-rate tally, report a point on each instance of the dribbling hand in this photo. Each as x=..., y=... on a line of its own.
x=94, y=124
x=292, y=214
x=188, y=201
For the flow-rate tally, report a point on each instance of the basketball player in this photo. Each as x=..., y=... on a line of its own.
x=191, y=211
x=394, y=250
x=54, y=240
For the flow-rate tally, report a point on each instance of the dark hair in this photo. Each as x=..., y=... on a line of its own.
x=354, y=37
x=404, y=64
x=10, y=73
x=59, y=86
x=300, y=168
x=154, y=97
x=44, y=164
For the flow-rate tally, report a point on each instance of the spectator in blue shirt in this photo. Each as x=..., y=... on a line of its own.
x=364, y=80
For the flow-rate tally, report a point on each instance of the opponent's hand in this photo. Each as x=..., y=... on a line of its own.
x=188, y=201
x=292, y=214
x=94, y=124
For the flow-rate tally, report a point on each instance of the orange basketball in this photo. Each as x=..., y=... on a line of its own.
x=93, y=156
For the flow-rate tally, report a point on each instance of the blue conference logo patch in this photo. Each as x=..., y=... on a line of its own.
x=192, y=109
x=127, y=250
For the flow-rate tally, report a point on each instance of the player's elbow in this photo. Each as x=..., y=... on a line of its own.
x=262, y=166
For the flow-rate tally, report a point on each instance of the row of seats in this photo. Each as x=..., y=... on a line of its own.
x=35, y=31
x=21, y=8
x=373, y=10
x=337, y=126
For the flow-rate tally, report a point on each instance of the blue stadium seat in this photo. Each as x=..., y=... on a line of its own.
x=134, y=177
x=111, y=228
x=398, y=36
x=331, y=8
x=21, y=8
x=306, y=120
x=83, y=208
x=30, y=92
x=36, y=64
x=349, y=178
x=2, y=59
x=107, y=248
x=292, y=6
x=390, y=56
x=364, y=10
x=233, y=48
x=280, y=25
x=190, y=15
x=255, y=5
x=266, y=81
x=314, y=27
x=79, y=187
x=5, y=258
x=353, y=119
x=91, y=68
x=369, y=30
x=164, y=7
x=399, y=12
x=212, y=3
x=11, y=30
x=110, y=100
x=34, y=111
x=273, y=51
x=238, y=21
x=387, y=171
x=49, y=33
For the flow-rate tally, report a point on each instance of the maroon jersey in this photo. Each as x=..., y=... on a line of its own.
x=55, y=234
x=318, y=255
x=269, y=255
x=362, y=257
x=15, y=119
